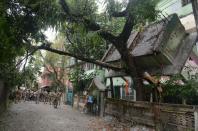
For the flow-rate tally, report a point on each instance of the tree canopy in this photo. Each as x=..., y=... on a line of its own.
x=88, y=31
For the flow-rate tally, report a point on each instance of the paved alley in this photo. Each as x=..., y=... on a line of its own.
x=29, y=116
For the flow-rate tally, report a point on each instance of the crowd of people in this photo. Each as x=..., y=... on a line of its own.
x=52, y=98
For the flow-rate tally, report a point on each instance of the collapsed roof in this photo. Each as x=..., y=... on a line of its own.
x=161, y=48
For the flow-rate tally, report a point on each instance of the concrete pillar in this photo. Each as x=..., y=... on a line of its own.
x=102, y=103
x=112, y=88
x=134, y=95
x=65, y=96
x=121, y=92
x=151, y=97
x=196, y=119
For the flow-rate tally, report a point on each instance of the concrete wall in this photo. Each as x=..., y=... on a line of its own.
x=169, y=7
x=162, y=117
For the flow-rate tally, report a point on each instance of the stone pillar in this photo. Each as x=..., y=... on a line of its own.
x=102, y=103
x=196, y=119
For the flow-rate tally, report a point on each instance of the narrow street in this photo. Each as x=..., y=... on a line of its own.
x=28, y=116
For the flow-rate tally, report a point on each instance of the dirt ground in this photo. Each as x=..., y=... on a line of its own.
x=28, y=116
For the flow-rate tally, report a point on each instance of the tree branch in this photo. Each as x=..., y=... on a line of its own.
x=89, y=60
x=31, y=53
x=93, y=26
x=70, y=41
x=26, y=59
x=65, y=7
x=108, y=37
x=89, y=24
x=128, y=27
x=119, y=14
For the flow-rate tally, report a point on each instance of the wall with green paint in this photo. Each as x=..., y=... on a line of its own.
x=174, y=6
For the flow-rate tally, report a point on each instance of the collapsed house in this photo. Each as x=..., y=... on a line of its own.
x=165, y=49
x=162, y=48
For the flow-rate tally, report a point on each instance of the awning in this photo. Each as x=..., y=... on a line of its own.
x=118, y=81
x=97, y=82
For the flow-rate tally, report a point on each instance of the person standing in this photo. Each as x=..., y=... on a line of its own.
x=90, y=103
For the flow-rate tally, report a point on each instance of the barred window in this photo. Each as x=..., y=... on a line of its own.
x=185, y=2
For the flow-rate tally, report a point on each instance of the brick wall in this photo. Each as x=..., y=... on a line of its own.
x=154, y=115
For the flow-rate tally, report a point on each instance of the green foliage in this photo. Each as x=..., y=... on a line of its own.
x=78, y=77
x=75, y=76
x=188, y=90
x=109, y=23
x=56, y=63
x=144, y=10
x=85, y=8
x=114, y=6
x=24, y=21
x=21, y=22
x=88, y=44
x=9, y=74
x=30, y=75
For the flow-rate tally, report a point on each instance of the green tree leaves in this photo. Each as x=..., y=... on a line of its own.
x=188, y=90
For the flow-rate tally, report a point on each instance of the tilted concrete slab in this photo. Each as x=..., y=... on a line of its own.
x=180, y=59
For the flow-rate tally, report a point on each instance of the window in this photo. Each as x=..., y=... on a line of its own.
x=185, y=2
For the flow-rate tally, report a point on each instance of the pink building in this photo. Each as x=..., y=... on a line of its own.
x=45, y=79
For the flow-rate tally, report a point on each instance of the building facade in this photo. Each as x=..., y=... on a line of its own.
x=50, y=76
x=183, y=8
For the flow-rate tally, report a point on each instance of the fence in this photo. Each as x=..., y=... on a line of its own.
x=159, y=116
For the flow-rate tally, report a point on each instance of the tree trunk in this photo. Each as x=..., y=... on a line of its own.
x=139, y=88
x=195, y=11
x=132, y=70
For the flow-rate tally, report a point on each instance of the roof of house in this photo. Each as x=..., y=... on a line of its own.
x=97, y=84
x=145, y=42
x=154, y=39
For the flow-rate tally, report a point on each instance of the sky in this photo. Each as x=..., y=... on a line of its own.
x=50, y=34
x=101, y=6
